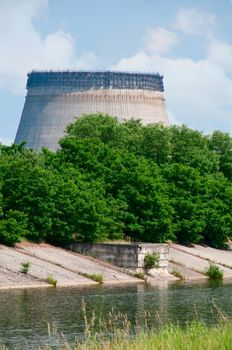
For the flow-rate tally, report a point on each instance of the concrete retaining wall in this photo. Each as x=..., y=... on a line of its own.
x=130, y=256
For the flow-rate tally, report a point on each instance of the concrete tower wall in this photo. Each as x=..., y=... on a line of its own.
x=55, y=99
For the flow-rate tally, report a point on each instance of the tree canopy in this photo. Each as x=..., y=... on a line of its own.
x=111, y=180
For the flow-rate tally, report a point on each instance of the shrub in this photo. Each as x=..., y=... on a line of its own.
x=25, y=266
x=12, y=227
x=140, y=275
x=51, y=280
x=214, y=272
x=178, y=274
x=97, y=277
x=151, y=261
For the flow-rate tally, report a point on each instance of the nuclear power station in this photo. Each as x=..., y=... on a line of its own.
x=55, y=99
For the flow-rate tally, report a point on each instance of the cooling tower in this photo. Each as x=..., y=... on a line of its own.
x=55, y=99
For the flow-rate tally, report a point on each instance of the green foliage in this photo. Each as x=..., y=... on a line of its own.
x=94, y=276
x=116, y=332
x=178, y=274
x=194, y=335
x=97, y=127
x=214, y=272
x=140, y=275
x=25, y=267
x=221, y=144
x=13, y=226
x=51, y=280
x=111, y=180
x=185, y=187
x=151, y=261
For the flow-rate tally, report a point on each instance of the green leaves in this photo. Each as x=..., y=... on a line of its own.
x=13, y=226
x=109, y=180
x=221, y=144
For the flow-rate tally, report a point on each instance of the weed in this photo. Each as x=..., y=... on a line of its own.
x=214, y=272
x=25, y=267
x=51, y=280
x=178, y=274
x=151, y=261
x=97, y=277
x=140, y=275
x=115, y=331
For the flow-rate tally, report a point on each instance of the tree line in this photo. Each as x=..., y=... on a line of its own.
x=111, y=180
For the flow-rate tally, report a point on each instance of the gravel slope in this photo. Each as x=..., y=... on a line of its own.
x=14, y=279
x=196, y=258
x=76, y=262
x=66, y=267
x=11, y=260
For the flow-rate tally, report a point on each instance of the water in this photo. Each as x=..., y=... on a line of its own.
x=25, y=314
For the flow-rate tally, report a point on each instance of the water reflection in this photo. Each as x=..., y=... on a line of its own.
x=24, y=314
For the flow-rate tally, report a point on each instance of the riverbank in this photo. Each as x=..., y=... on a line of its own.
x=192, y=261
x=49, y=264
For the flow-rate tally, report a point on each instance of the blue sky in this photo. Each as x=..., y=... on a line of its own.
x=189, y=42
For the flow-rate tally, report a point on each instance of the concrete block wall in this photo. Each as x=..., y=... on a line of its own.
x=162, y=250
x=130, y=256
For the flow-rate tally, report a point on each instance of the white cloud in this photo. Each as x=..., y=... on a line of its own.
x=198, y=92
x=159, y=40
x=220, y=53
x=193, y=21
x=86, y=61
x=22, y=48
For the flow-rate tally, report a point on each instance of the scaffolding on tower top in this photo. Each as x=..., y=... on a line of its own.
x=96, y=80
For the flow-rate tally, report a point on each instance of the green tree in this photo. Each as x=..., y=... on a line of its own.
x=99, y=126
x=221, y=144
x=191, y=147
x=138, y=183
x=109, y=180
x=185, y=185
x=13, y=226
x=156, y=143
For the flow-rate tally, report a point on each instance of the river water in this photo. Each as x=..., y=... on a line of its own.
x=25, y=314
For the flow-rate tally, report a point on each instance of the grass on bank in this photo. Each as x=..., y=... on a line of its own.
x=25, y=267
x=214, y=272
x=97, y=277
x=115, y=332
x=195, y=336
x=177, y=274
x=51, y=280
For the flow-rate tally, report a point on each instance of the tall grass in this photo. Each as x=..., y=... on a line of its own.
x=115, y=332
x=97, y=277
x=195, y=336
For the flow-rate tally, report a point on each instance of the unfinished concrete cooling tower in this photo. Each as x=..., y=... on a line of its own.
x=55, y=99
